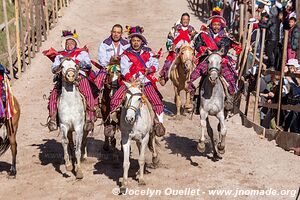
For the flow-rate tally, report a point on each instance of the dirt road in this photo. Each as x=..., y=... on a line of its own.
x=249, y=162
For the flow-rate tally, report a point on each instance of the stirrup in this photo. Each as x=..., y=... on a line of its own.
x=98, y=112
x=52, y=125
x=89, y=126
x=159, y=129
x=113, y=116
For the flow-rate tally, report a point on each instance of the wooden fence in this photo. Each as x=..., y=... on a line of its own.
x=33, y=19
x=249, y=105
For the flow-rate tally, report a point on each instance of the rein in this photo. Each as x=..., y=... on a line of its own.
x=128, y=106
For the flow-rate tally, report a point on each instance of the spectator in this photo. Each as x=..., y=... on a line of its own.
x=288, y=13
x=272, y=37
x=292, y=120
x=293, y=39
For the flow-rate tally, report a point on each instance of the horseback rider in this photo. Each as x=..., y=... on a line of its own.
x=81, y=57
x=181, y=33
x=6, y=101
x=214, y=37
x=110, y=51
x=138, y=61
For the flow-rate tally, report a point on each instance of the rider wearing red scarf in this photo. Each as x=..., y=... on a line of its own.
x=82, y=59
x=181, y=33
x=138, y=61
x=215, y=37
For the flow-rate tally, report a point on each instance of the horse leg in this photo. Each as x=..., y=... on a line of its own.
x=142, y=159
x=71, y=146
x=201, y=144
x=177, y=100
x=83, y=146
x=210, y=132
x=65, y=143
x=188, y=105
x=13, y=148
x=126, y=163
x=79, y=139
x=223, y=131
x=155, y=159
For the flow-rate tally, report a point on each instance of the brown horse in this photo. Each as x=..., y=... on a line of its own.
x=180, y=75
x=110, y=87
x=11, y=127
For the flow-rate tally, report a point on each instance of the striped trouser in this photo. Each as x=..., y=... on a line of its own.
x=52, y=106
x=150, y=93
x=100, y=78
x=84, y=89
x=201, y=70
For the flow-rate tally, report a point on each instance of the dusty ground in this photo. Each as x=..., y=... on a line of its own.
x=249, y=162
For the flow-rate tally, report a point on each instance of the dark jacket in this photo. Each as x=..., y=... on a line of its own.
x=272, y=25
x=294, y=39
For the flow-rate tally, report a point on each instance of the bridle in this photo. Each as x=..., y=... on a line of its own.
x=186, y=48
x=75, y=71
x=128, y=106
x=214, y=68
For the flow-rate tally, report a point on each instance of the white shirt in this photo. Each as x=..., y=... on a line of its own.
x=107, y=49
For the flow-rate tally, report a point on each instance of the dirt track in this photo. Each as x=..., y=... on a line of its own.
x=249, y=162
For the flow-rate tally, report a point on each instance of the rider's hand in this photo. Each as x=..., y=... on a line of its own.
x=147, y=71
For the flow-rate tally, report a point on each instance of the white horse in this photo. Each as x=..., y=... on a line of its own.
x=212, y=103
x=137, y=124
x=71, y=113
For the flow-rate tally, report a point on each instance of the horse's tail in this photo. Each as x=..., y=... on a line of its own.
x=151, y=139
x=4, y=145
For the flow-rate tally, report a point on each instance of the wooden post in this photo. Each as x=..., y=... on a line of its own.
x=67, y=3
x=284, y=55
x=246, y=51
x=38, y=25
x=18, y=47
x=56, y=11
x=253, y=8
x=22, y=36
x=33, y=28
x=7, y=39
x=60, y=9
x=255, y=47
x=28, y=30
x=46, y=17
x=53, y=11
x=43, y=20
x=261, y=57
x=241, y=29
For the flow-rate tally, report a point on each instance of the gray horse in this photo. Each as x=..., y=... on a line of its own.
x=212, y=98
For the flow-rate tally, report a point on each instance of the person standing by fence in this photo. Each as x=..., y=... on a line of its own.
x=293, y=42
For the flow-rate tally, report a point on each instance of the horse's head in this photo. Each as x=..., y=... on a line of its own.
x=186, y=54
x=214, y=65
x=133, y=101
x=113, y=74
x=69, y=70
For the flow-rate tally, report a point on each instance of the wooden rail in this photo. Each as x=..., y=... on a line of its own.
x=32, y=22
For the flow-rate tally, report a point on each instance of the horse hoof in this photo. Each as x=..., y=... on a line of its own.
x=142, y=182
x=221, y=149
x=12, y=175
x=123, y=190
x=69, y=167
x=155, y=161
x=217, y=157
x=201, y=147
x=79, y=174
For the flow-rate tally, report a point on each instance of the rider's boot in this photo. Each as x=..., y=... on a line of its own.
x=159, y=128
